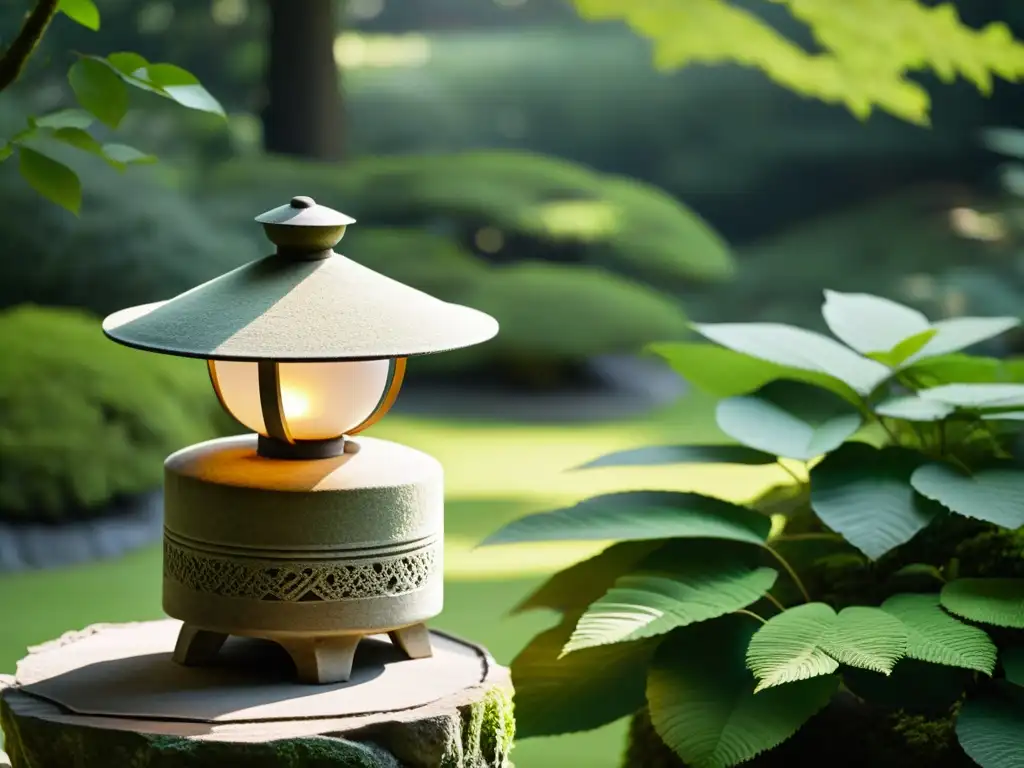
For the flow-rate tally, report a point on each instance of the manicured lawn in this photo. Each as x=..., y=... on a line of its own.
x=495, y=472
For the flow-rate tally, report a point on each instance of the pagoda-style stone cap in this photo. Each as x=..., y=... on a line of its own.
x=304, y=303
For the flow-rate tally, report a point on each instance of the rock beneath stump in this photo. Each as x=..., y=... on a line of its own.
x=111, y=695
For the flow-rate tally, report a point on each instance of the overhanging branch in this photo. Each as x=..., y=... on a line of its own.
x=13, y=60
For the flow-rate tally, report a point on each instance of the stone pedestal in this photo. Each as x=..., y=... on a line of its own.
x=111, y=695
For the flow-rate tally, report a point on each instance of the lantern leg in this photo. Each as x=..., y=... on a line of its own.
x=414, y=640
x=197, y=646
x=321, y=660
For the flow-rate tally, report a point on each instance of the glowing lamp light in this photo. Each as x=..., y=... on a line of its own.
x=306, y=348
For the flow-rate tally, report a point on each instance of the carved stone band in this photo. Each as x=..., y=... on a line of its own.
x=316, y=579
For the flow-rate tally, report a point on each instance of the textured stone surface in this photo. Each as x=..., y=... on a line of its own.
x=472, y=728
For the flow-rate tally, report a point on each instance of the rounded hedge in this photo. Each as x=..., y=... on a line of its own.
x=84, y=421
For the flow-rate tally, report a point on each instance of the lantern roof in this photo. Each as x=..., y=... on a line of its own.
x=303, y=303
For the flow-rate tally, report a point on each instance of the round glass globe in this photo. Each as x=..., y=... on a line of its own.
x=321, y=401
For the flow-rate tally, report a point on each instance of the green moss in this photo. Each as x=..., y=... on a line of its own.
x=84, y=420
x=498, y=729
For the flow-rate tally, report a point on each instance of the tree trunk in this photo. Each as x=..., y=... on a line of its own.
x=304, y=111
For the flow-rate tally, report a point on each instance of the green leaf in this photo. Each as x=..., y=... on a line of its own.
x=955, y=368
x=584, y=690
x=990, y=729
x=787, y=648
x=1004, y=416
x=903, y=351
x=79, y=139
x=99, y=90
x=683, y=583
x=183, y=87
x=920, y=569
x=788, y=419
x=725, y=373
x=702, y=700
x=121, y=155
x=936, y=637
x=866, y=495
x=574, y=588
x=870, y=323
x=681, y=454
x=65, y=118
x=1012, y=659
x=798, y=348
x=914, y=408
x=866, y=637
x=962, y=332
x=83, y=12
x=51, y=179
x=994, y=495
x=6, y=151
x=127, y=63
x=635, y=515
x=999, y=602
x=981, y=395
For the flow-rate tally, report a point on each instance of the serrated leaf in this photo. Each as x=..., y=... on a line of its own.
x=79, y=139
x=962, y=332
x=702, y=700
x=866, y=637
x=990, y=729
x=574, y=588
x=787, y=648
x=979, y=395
x=65, y=118
x=121, y=155
x=995, y=495
x=99, y=90
x=788, y=419
x=798, y=348
x=51, y=179
x=83, y=12
x=936, y=637
x=183, y=87
x=871, y=323
x=999, y=602
x=583, y=691
x=683, y=583
x=657, y=455
x=1012, y=659
x=725, y=373
x=636, y=515
x=914, y=408
x=866, y=495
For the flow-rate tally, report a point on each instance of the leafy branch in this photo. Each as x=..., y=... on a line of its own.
x=14, y=59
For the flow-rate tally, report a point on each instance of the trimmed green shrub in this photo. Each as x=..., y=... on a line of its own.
x=83, y=420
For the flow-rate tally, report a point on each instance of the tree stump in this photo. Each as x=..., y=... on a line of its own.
x=111, y=695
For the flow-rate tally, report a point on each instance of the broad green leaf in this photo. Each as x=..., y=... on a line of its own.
x=51, y=179
x=683, y=583
x=83, y=12
x=980, y=395
x=681, y=454
x=725, y=373
x=574, y=588
x=920, y=569
x=999, y=602
x=916, y=686
x=866, y=637
x=6, y=151
x=65, y=118
x=1012, y=659
x=963, y=332
x=870, y=323
x=787, y=648
x=79, y=139
x=936, y=637
x=585, y=690
x=788, y=419
x=127, y=63
x=866, y=495
x=183, y=87
x=956, y=368
x=702, y=700
x=903, y=351
x=990, y=729
x=121, y=155
x=1004, y=416
x=995, y=495
x=635, y=515
x=914, y=408
x=99, y=90
x=798, y=348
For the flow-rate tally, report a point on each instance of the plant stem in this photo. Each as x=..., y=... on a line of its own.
x=13, y=60
x=774, y=601
x=790, y=472
x=751, y=614
x=792, y=573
